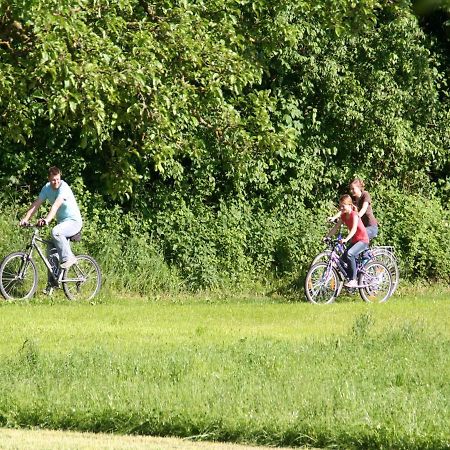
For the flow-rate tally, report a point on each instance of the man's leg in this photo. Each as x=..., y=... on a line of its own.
x=53, y=258
x=60, y=235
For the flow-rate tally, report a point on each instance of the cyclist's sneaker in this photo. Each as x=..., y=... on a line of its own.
x=48, y=290
x=69, y=263
x=351, y=284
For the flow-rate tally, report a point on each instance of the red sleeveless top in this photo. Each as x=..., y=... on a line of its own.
x=361, y=233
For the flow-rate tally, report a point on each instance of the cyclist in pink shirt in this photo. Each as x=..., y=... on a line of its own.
x=357, y=235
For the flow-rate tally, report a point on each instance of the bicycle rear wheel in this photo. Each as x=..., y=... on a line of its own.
x=18, y=277
x=386, y=257
x=376, y=282
x=322, y=284
x=83, y=280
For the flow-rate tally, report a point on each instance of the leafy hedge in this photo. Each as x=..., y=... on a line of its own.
x=419, y=229
x=219, y=129
x=237, y=246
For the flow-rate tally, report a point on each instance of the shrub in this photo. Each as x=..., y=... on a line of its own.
x=419, y=228
x=129, y=258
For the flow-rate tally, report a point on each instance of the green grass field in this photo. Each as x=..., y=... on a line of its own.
x=255, y=370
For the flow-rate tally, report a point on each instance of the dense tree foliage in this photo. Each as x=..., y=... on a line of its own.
x=183, y=110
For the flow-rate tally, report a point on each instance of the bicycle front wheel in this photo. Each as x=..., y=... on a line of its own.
x=376, y=282
x=83, y=280
x=321, y=257
x=18, y=277
x=322, y=283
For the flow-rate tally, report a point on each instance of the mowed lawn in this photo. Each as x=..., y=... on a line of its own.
x=60, y=325
x=39, y=439
x=254, y=370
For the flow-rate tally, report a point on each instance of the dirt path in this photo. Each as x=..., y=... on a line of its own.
x=65, y=440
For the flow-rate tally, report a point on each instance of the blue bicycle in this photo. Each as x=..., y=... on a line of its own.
x=325, y=278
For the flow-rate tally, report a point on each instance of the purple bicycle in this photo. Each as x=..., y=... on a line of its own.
x=325, y=279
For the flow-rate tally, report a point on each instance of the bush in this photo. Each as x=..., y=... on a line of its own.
x=419, y=229
x=240, y=244
x=11, y=237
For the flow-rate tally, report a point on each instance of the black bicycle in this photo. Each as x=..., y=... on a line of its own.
x=325, y=278
x=19, y=274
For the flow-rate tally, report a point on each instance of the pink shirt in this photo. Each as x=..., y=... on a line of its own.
x=361, y=233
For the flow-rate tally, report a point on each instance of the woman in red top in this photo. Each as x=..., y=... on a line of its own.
x=357, y=235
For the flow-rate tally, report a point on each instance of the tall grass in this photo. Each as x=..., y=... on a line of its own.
x=349, y=375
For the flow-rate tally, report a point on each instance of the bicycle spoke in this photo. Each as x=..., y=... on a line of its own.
x=18, y=277
x=386, y=256
x=321, y=284
x=82, y=281
x=376, y=283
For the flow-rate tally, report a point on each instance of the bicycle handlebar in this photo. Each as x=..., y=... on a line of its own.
x=335, y=243
x=31, y=225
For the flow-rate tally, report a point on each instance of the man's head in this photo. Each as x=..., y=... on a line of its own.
x=54, y=177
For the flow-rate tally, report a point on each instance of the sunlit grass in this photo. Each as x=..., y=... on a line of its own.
x=60, y=324
x=244, y=370
x=38, y=439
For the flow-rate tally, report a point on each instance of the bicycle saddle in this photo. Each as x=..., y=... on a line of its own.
x=75, y=237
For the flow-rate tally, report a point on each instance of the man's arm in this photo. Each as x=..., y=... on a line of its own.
x=52, y=213
x=33, y=208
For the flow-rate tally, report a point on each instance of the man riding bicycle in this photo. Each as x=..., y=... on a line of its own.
x=65, y=209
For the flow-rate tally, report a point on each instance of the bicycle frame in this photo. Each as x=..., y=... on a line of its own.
x=337, y=250
x=334, y=262
x=19, y=273
x=34, y=245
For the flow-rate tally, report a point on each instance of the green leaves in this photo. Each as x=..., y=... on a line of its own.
x=207, y=102
x=272, y=85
